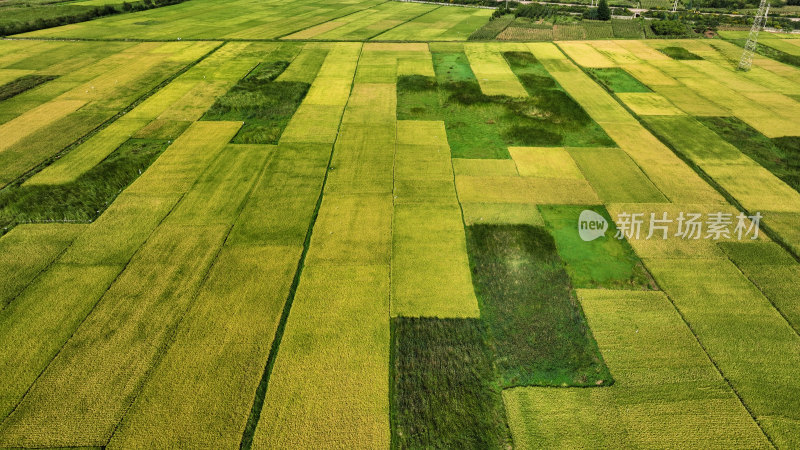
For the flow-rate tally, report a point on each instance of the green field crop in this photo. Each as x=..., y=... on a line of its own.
x=444, y=389
x=27, y=250
x=482, y=126
x=602, y=263
x=598, y=29
x=23, y=84
x=501, y=213
x=627, y=29
x=264, y=105
x=779, y=155
x=667, y=172
x=218, y=194
x=614, y=176
x=206, y=19
x=537, y=327
x=748, y=340
x=85, y=198
x=649, y=104
x=667, y=392
x=773, y=270
x=617, y=80
x=760, y=190
x=233, y=320
x=441, y=24
x=514, y=33
x=364, y=24
x=334, y=354
x=122, y=339
x=36, y=325
x=494, y=27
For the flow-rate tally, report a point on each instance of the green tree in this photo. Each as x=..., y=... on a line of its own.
x=603, y=11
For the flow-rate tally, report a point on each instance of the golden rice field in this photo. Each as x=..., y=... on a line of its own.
x=341, y=225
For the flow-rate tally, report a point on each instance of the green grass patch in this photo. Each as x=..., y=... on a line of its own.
x=492, y=28
x=617, y=80
x=781, y=156
x=263, y=104
x=484, y=126
x=537, y=326
x=85, y=198
x=445, y=395
x=23, y=84
x=605, y=262
x=679, y=53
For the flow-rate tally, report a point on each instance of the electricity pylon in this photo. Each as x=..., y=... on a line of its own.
x=752, y=39
x=675, y=6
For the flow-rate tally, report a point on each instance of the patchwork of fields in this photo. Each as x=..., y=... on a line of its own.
x=291, y=229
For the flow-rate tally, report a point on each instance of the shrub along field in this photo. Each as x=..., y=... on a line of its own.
x=267, y=234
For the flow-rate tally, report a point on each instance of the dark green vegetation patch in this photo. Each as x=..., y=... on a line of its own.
x=23, y=84
x=263, y=104
x=445, y=395
x=678, y=53
x=617, y=80
x=87, y=197
x=536, y=325
x=484, y=126
x=781, y=156
x=492, y=28
x=605, y=262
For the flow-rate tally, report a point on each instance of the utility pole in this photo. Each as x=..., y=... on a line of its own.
x=752, y=40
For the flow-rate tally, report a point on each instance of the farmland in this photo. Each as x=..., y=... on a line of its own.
x=355, y=224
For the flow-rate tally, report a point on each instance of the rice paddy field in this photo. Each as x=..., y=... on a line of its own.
x=343, y=225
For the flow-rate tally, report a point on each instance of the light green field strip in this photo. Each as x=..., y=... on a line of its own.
x=545, y=162
x=649, y=75
x=121, y=340
x=222, y=345
x=363, y=158
x=786, y=46
x=441, y=24
x=585, y=55
x=91, y=263
x=305, y=65
x=763, y=119
x=36, y=119
x=754, y=187
x=317, y=119
x=113, y=238
x=364, y=24
x=753, y=346
x=87, y=97
x=38, y=322
x=615, y=52
x=641, y=50
x=649, y=104
x=334, y=391
x=330, y=383
x=177, y=168
x=689, y=102
x=785, y=224
x=774, y=271
x=538, y=191
x=492, y=71
x=430, y=268
x=283, y=201
x=677, y=181
x=667, y=393
x=88, y=154
x=615, y=177
x=26, y=250
x=218, y=194
x=207, y=19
